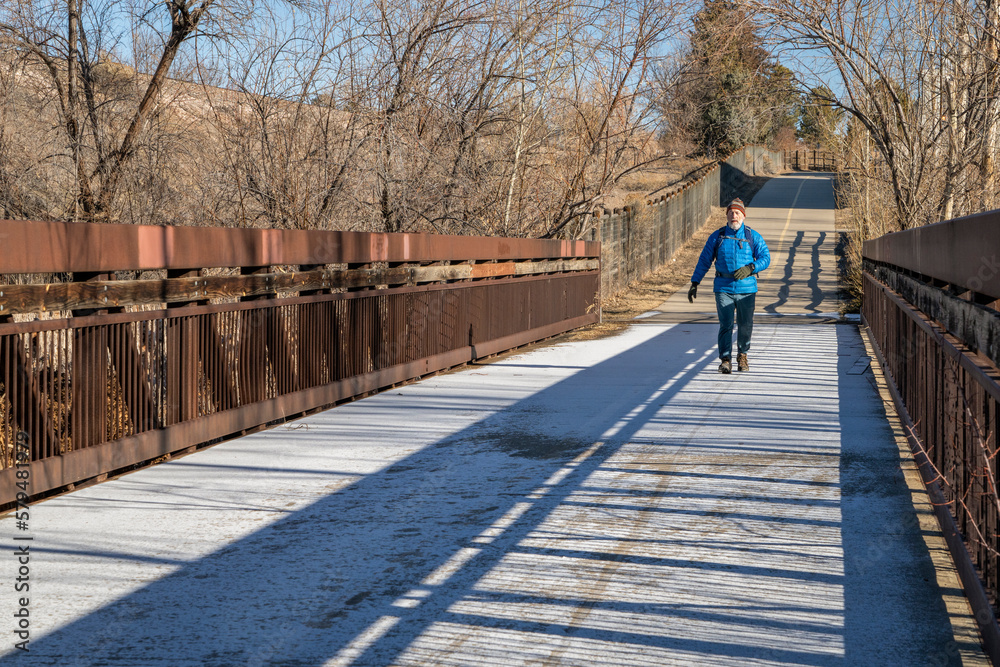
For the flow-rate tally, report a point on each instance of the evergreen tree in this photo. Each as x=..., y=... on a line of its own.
x=820, y=119
x=732, y=91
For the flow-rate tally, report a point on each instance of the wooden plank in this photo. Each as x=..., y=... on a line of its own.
x=492, y=270
x=109, y=294
x=555, y=266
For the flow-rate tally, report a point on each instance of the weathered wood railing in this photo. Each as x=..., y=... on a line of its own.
x=811, y=160
x=121, y=344
x=930, y=302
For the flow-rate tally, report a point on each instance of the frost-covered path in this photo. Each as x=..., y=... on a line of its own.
x=607, y=502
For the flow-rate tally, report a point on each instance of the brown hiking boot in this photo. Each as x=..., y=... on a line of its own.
x=741, y=362
x=726, y=366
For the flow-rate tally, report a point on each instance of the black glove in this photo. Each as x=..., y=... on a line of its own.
x=693, y=292
x=743, y=271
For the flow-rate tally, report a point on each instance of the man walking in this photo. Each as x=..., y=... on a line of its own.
x=739, y=254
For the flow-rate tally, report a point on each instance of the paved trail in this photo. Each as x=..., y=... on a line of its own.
x=795, y=215
x=609, y=502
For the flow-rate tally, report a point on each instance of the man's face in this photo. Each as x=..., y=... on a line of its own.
x=735, y=218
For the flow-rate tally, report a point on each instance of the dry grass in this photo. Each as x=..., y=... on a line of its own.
x=654, y=181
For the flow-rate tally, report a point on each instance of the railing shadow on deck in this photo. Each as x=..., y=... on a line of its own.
x=931, y=311
x=883, y=539
x=300, y=590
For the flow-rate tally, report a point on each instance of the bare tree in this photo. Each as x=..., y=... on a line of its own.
x=509, y=117
x=105, y=117
x=920, y=78
x=611, y=120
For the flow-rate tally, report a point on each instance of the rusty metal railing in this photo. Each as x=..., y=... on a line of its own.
x=229, y=330
x=930, y=297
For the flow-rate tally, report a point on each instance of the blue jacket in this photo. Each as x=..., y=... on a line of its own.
x=734, y=251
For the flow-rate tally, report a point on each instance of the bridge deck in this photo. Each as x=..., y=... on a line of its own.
x=609, y=502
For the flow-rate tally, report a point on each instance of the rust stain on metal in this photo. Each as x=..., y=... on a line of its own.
x=952, y=395
x=492, y=270
x=105, y=390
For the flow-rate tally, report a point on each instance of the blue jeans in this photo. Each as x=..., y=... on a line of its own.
x=742, y=304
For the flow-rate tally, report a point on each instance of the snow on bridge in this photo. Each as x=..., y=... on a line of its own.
x=606, y=502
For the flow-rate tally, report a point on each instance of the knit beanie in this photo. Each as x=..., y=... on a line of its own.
x=738, y=205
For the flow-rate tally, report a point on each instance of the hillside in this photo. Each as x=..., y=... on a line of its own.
x=215, y=156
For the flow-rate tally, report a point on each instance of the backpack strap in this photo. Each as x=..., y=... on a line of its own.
x=722, y=231
x=718, y=242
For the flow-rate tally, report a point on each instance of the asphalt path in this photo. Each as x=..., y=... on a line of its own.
x=604, y=502
x=795, y=215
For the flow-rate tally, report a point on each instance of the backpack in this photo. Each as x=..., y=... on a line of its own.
x=718, y=239
x=718, y=242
